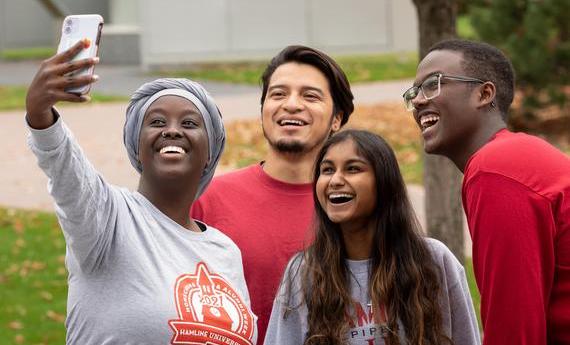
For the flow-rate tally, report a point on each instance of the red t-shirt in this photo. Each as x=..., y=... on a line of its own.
x=516, y=194
x=267, y=219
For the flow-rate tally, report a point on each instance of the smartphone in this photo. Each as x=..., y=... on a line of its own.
x=74, y=29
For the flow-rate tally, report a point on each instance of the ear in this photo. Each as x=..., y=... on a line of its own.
x=487, y=95
x=336, y=122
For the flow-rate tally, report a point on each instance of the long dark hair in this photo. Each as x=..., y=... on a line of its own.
x=403, y=276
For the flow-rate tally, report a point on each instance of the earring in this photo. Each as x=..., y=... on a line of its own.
x=493, y=104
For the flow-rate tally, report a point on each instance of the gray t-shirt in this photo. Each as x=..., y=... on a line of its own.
x=135, y=275
x=459, y=320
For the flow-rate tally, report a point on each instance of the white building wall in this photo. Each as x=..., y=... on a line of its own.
x=26, y=23
x=183, y=31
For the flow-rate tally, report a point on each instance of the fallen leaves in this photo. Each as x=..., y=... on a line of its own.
x=57, y=317
x=19, y=339
x=16, y=325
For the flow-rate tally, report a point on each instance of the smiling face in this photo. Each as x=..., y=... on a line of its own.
x=448, y=120
x=173, y=140
x=346, y=186
x=297, y=114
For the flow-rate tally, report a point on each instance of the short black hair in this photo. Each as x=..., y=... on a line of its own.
x=485, y=62
x=338, y=83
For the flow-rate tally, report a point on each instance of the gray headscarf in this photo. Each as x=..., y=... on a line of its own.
x=195, y=93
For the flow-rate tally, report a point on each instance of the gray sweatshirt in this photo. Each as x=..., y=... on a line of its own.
x=459, y=320
x=135, y=275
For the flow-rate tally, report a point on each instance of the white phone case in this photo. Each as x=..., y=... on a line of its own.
x=74, y=29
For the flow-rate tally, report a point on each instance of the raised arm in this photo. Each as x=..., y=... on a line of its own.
x=86, y=204
x=51, y=80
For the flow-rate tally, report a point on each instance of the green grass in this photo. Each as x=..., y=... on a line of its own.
x=473, y=289
x=14, y=97
x=33, y=279
x=27, y=54
x=362, y=68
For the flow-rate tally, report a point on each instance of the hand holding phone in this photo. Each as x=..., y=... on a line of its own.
x=76, y=28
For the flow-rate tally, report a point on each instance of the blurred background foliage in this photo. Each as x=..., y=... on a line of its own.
x=535, y=34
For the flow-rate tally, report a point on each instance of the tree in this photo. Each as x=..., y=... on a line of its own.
x=442, y=180
x=536, y=37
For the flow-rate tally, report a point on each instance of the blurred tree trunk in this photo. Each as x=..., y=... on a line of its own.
x=442, y=180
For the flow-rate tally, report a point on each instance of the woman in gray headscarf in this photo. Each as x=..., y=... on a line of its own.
x=141, y=271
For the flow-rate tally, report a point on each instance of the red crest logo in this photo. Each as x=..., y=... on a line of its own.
x=210, y=311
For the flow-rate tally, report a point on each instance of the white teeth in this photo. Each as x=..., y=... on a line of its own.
x=428, y=118
x=428, y=121
x=172, y=149
x=291, y=122
x=340, y=195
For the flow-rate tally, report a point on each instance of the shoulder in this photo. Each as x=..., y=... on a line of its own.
x=292, y=271
x=437, y=248
x=445, y=259
x=221, y=239
x=514, y=154
x=236, y=175
x=229, y=182
x=291, y=287
x=517, y=161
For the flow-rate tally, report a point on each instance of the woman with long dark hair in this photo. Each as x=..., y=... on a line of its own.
x=369, y=277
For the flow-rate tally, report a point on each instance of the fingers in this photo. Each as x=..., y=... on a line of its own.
x=70, y=97
x=70, y=66
x=69, y=81
x=71, y=52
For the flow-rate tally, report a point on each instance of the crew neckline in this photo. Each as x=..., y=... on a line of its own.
x=498, y=133
x=203, y=226
x=358, y=266
x=281, y=186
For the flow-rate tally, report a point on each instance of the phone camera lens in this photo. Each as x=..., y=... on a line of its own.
x=68, y=26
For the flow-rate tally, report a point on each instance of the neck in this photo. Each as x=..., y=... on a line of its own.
x=291, y=168
x=358, y=240
x=172, y=199
x=478, y=140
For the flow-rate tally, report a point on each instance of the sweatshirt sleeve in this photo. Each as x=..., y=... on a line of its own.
x=288, y=321
x=464, y=326
x=459, y=318
x=85, y=203
x=513, y=258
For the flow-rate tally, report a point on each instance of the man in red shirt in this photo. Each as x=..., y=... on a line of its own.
x=516, y=191
x=267, y=208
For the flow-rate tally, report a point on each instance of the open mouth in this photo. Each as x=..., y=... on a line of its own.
x=288, y=122
x=172, y=150
x=428, y=121
x=340, y=198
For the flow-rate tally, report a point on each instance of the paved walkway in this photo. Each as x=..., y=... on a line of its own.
x=98, y=128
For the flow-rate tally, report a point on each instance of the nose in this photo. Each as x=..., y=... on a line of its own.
x=419, y=100
x=293, y=103
x=337, y=179
x=171, y=132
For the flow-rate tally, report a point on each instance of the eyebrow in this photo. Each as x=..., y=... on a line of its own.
x=161, y=111
x=304, y=88
x=350, y=161
x=427, y=76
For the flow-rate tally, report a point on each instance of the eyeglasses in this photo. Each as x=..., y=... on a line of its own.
x=431, y=87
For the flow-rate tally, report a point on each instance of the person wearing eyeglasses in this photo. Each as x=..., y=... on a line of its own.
x=516, y=191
